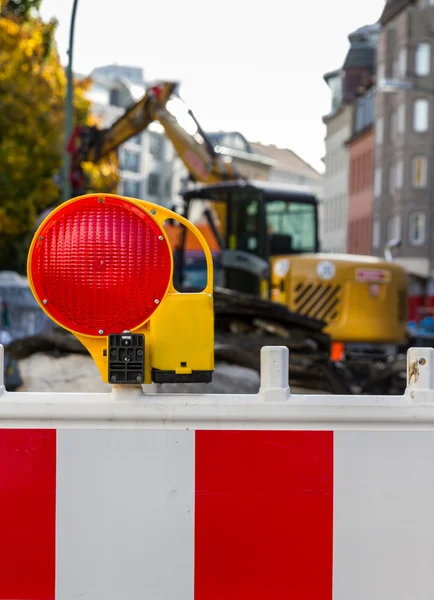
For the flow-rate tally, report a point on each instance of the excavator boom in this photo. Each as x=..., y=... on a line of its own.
x=162, y=104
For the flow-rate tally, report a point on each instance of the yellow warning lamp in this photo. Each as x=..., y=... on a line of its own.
x=101, y=266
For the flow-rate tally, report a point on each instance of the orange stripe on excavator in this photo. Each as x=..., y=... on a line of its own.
x=337, y=351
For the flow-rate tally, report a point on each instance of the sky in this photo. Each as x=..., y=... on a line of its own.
x=254, y=68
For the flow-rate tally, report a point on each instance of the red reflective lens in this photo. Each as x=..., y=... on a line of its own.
x=100, y=266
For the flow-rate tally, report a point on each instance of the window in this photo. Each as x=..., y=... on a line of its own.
x=422, y=60
x=420, y=114
x=419, y=171
x=399, y=175
x=402, y=63
x=393, y=125
x=156, y=145
x=381, y=71
x=394, y=228
x=391, y=179
x=294, y=221
x=359, y=116
x=395, y=68
x=168, y=186
x=416, y=231
x=379, y=131
x=131, y=188
x=335, y=85
x=401, y=118
x=136, y=140
x=114, y=98
x=154, y=184
x=376, y=234
x=130, y=161
x=377, y=182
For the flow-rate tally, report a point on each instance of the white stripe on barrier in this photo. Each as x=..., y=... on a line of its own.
x=125, y=511
x=383, y=507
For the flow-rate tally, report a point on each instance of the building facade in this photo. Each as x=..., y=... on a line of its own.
x=289, y=168
x=360, y=176
x=133, y=74
x=346, y=84
x=335, y=184
x=404, y=134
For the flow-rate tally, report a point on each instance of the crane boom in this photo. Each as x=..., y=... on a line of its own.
x=162, y=104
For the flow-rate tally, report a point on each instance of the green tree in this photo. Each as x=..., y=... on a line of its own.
x=20, y=9
x=32, y=96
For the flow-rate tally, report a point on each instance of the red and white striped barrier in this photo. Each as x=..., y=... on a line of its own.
x=272, y=496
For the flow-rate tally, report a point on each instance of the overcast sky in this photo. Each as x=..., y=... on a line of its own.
x=255, y=70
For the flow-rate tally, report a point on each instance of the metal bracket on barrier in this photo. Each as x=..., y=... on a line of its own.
x=420, y=373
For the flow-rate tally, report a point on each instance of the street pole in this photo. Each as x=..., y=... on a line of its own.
x=66, y=188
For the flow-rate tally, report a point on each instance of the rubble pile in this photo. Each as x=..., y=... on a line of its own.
x=243, y=325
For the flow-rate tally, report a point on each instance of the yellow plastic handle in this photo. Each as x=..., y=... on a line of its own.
x=161, y=214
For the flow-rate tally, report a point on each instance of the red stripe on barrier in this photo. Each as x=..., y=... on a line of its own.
x=27, y=514
x=263, y=515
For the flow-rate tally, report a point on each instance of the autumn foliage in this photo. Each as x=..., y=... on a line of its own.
x=32, y=97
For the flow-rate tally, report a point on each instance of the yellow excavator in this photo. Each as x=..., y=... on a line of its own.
x=264, y=235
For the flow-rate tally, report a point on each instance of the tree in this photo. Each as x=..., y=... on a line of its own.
x=18, y=8
x=32, y=97
x=103, y=176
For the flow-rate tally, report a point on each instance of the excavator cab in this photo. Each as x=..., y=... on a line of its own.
x=265, y=238
x=252, y=222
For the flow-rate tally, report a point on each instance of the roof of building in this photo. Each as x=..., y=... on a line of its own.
x=268, y=188
x=393, y=8
x=360, y=55
x=229, y=139
x=332, y=74
x=365, y=31
x=362, y=49
x=233, y=143
x=286, y=160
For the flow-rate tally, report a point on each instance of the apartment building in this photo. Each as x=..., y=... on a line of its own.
x=335, y=182
x=360, y=176
x=404, y=134
x=345, y=85
x=288, y=167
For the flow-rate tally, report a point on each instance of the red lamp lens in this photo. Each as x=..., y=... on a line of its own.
x=100, y=266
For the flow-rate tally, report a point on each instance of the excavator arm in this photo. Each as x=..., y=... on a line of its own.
x=161, y=104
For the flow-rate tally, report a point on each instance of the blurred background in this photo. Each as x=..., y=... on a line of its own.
x=334, y=97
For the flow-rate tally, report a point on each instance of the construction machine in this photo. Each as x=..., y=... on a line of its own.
x=264, y=236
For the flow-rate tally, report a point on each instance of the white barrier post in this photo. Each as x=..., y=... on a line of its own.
x=420, y=373
x=275, y=373
x=2, y=369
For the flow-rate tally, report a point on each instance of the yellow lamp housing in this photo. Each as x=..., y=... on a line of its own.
x=101, y=267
